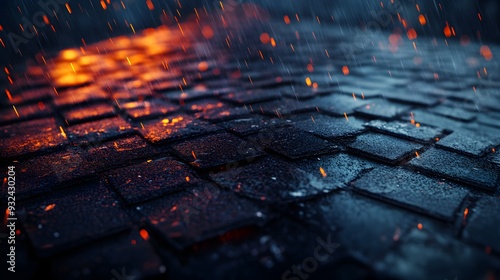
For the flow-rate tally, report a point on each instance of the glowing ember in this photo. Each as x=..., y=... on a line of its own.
x=412, y=34
x=422, y=19
x=322, y=171
x=49, y=207
x=486, y=52
x=345, y=70
x=144, y=234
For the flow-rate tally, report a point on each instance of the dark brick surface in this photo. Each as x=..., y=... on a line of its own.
x=434, y=120
x=305, y=92
x=49, y=171
x=337, y=104
x=151, y=179
x=430, y=252
x=283, y=107
x=331, y=127
x=469, y=143
x=335, y=171
x=352, y=220
x=125, y=255
x=174, y=128
x=482, y=224
x=405, y=130
x=119, y=152
x=250, y=124
x=454, y=113
x=277, y=181
x=201, y=213
x=292, y=142
x=252, y=96
x=384, y=147
x=30, y=137
x=382, y=109
x=458, y=167
x=216, y=150
x=99, y=130
x=412, y=190
x=72, y=217
x=237, y=170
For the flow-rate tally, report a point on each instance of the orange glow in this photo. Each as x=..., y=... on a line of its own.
x=310, y=67
x=265, y=38
x=420, y=226
x=345, y=70
x=447, y=31
x=286, y=19
x=422, y=19
x=62, y=131
x=308, y=82
x=203, y=66
x=9, y=95
x=486, y=52
x=15, y=110
x=49, y=207
x=46, y=19
x=68, y=8
x=103, y=5
x=273, y=42
x=412, y=34
x=322, y=171
x=144, y=234
x=207, y=32
x=188, y=179
x=150, y=5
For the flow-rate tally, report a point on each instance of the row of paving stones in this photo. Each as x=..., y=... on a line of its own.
x=209, y=221
x=302, y=137
x=468, y=138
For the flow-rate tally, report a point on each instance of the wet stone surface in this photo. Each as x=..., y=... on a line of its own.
x=430, y=251
x=204, y=152
x=277, y=181
x=151, y=179
x=292, y=142
x=126, y=254
x=216, y=150
x=331, y=127
x=482, y=224
x=454, y=166
x=469, y=143
x=382, y=109
x=99, y=130
x=405, y=130
x=201, y=213
x=174, y=127
x=50, y=221
x=383, y=147
x=412, y=190
x=30, y=137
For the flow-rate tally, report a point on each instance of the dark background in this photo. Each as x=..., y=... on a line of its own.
x=90, y=22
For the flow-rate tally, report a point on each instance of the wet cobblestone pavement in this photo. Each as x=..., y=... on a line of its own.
x=235, y=152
